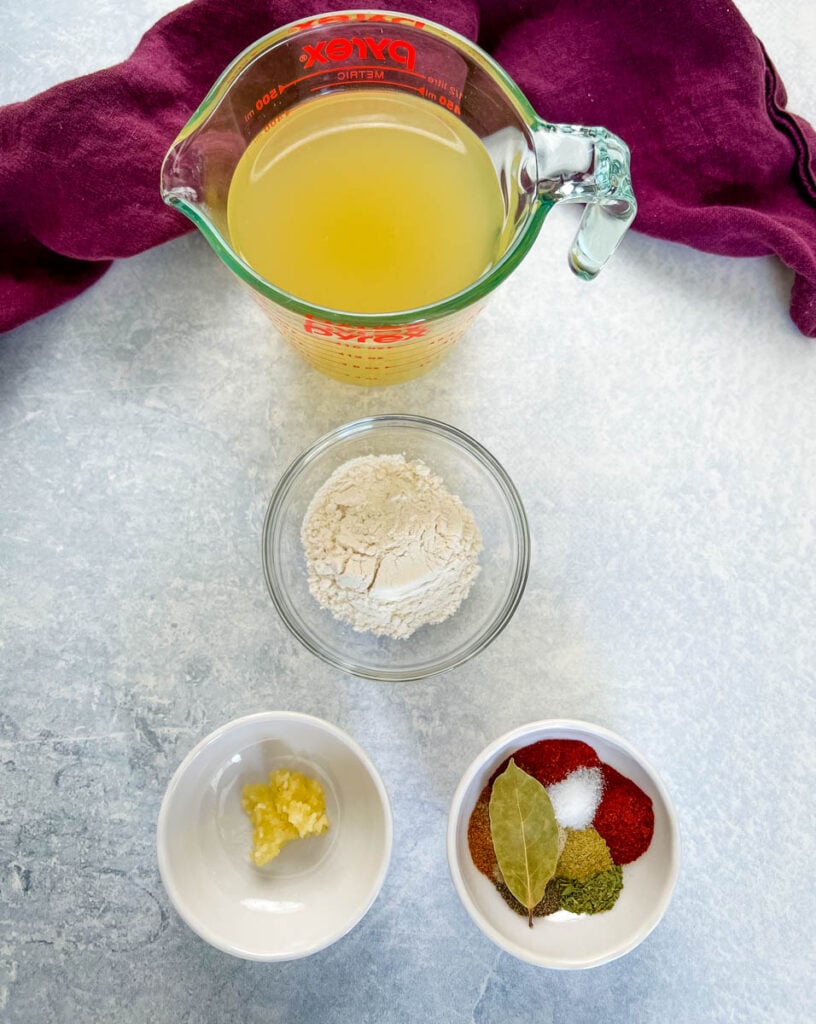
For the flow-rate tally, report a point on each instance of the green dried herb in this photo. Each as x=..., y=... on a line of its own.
x=525, y=835
x=593, y=896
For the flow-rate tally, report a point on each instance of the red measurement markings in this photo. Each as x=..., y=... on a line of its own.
x=276, y=120
x=443, y=101
x=327, y=19
x=367, y=67
x=362, y=81
x=279, y=90
x=423, y=91
x=440, y=83
x=380, y=335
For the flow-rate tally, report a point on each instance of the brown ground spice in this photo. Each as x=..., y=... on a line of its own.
x=480, y=841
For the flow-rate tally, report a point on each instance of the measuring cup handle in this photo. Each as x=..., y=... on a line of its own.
x=587, y=165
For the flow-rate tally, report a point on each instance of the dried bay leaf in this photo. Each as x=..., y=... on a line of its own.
x=525, y=835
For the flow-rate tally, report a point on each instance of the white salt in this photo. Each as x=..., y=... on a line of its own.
x=575, y=800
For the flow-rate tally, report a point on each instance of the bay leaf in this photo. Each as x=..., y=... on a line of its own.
x=525, y=835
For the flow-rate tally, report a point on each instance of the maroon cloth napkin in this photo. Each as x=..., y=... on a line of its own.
x=717, y=161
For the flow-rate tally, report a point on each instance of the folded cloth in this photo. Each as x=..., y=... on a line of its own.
x=717, y=161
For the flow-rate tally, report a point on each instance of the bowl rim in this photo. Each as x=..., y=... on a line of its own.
x=166, y=871
x=479, y=763
x=464, y=442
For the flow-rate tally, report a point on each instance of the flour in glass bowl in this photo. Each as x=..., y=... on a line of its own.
x=388, y=547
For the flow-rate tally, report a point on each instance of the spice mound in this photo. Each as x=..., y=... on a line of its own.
x=554, y=827
x=388, y=548
x=291, y=806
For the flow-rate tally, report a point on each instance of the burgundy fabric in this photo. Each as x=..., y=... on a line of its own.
x=717, y=161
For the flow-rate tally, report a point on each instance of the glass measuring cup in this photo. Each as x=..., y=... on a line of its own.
x=537, y=165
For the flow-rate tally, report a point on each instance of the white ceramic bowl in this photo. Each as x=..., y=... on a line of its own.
x=469, y=471
x=564, y=940
x=316, y=889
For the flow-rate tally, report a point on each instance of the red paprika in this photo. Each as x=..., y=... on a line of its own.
x=625, y=817
x=551, y=761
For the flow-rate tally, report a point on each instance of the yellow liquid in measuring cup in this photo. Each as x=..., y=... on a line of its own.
x=371, y=201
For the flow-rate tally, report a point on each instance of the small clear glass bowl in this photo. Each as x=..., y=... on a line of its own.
x=468, y=471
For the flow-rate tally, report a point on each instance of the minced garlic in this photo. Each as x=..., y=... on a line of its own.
x=291, y=807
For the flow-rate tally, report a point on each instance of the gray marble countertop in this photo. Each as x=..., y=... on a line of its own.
x=660, y=424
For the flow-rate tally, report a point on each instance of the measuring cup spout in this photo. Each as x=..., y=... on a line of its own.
x=591, y=166
x=195, y=178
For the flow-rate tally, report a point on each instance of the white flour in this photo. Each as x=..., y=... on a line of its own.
x=388, y=547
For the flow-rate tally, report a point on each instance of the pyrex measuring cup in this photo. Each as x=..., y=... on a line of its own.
x=537, y=165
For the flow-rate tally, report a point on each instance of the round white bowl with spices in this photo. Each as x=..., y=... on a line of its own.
x=470, y=473
x=318, y=888
x=568, y=941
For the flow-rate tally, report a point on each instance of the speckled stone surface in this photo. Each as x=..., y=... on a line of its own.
x=661, y=426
